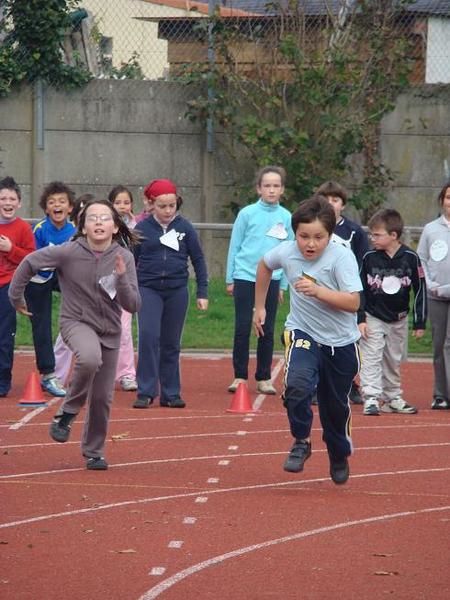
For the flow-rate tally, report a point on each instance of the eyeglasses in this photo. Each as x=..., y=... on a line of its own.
x=96, y=218
x=377, y=235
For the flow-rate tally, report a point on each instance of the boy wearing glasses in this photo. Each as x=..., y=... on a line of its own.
x=389, y=274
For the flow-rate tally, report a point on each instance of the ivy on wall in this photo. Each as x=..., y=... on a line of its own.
x=314, y=94
x=32, y=33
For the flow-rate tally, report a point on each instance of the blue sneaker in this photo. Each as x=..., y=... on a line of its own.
x=53, y=386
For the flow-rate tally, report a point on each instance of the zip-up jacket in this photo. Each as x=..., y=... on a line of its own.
x=92, y=292
x=162, y=267
x=258, y=228
x=434, y=252
x=47, y=234
x=350, y=234
x=387, y=284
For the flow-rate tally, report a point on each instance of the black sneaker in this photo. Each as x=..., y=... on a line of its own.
x=355, y=395
x=300, y=452
x=96, y=464
x=440, y=404
x=60, y=427
x=142, y=401
x=339, y=470
x=173, y=403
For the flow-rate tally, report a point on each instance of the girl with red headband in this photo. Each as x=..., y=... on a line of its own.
x=168, y=242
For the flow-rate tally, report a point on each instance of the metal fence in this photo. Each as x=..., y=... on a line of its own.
x=150, y=39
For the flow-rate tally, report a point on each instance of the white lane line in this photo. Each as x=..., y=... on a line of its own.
x=402, y=422
x=259, y=401
x=163, y=586
x=32, y=414
x=210, y=435
x=246, y=488
x=218, y=456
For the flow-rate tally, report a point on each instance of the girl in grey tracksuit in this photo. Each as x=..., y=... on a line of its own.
x=97, y=279
x=434, y=252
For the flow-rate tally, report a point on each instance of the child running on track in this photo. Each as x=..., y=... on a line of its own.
x=168, y=242
x=122, y=200
x=320, y=333
x=97, y=279
x=258, y=228
x=433, y=249
x=63, y=354
x=16, y=241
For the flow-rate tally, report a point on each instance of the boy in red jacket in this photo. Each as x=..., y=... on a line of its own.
x=16, y=241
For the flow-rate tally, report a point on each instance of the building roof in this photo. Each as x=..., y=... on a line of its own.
x=235, y=8
x=227, y=9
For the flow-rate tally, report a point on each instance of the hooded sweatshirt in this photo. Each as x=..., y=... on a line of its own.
x=92, y=293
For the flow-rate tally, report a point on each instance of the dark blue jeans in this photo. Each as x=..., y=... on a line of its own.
x=7, y=336
x=39, y=302
x=160, y=325
x=329, y=368
x=244, y=301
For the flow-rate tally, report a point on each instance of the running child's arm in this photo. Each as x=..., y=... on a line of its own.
x=127, y=287
x=263, y=277
x=47, y=257
x=348, y=301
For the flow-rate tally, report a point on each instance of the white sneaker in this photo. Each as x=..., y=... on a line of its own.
x=265, y=387
x=234, y=386
x=371, y=407
x=398, y=405
x=128, y=383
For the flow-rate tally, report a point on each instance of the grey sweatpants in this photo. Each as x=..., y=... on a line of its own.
x=381, y=357
x=439, y=312
x=92, y=382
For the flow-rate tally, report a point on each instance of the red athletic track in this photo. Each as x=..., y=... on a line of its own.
x=196, y=504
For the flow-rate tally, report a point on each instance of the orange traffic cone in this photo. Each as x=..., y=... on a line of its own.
x=241, y=402
x=32, y=395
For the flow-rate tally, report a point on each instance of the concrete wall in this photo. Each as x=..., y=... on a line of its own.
x=130, y=132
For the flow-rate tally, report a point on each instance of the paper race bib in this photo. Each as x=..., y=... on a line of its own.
x=391, y=285
x=438, y=250
x=170, y=239
x=278, y=232
x=108, y=283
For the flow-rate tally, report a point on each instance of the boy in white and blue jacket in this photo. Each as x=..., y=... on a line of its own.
x=57, y=201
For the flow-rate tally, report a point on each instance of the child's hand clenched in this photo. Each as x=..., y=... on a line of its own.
x=5, y=243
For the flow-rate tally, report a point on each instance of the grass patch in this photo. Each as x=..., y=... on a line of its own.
x=212, y=329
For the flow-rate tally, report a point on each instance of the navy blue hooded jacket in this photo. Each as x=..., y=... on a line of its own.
x=160, y=267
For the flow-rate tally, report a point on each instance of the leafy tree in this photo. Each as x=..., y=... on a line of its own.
x=32, y=47
x=314, y=93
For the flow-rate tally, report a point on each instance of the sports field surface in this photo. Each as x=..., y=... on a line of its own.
x=196, y=505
